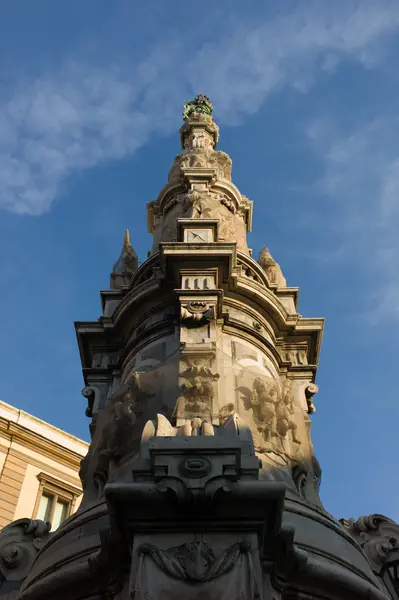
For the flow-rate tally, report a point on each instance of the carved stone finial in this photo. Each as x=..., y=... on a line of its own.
x=126, y=265
x=199, y=133
x=200, y=105
x=271, y=268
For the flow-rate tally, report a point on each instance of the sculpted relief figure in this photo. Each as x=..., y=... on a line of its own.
x=284, y=414
x=114, y=437
x=197, y=390
x=271, y=267
x=262, y=400
x=272, y=414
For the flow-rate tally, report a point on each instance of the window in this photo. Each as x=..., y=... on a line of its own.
x=55, y=501
x=52, y=508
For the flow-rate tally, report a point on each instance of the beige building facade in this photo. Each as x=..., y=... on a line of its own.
x=39, y=469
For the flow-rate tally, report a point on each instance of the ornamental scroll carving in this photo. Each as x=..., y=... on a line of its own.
x=376, y=534
x=310, y=391
x=20, y=541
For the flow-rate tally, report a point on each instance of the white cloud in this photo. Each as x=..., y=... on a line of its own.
x=81, y=116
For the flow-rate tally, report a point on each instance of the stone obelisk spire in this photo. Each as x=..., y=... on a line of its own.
x=199, y=184
x=201, y=479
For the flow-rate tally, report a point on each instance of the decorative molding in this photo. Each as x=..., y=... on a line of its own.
x=59, y=475
x=59, y=484
x=40, y=444
x=310, y=391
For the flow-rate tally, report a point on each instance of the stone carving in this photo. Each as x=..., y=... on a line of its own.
x=197, y=390
x=226, y=411
x=271, y=268
x=200, y=105
x=272, y=412
x=310, y=391
x=197, y=310
x=126, y=265
x=201, y=158
x=257, y=326
x=93, y=395
x=191, y=202
x=185, y=484
x=194, y=562
x=199, y=141
x=20, y=541
x=296, y=356
x=376, y=534
x=264, y=397
x=115, y=440
x=284, y=414
x=162, y=427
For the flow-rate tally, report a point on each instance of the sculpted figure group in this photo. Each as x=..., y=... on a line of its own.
x=272, y=411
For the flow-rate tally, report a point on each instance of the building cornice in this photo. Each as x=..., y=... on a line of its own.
x=36, y=442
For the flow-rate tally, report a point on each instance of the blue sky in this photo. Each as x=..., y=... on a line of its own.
x=306, y=95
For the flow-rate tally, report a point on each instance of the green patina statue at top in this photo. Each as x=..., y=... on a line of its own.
x=200, y=105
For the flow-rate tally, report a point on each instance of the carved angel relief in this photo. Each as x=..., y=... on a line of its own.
x=197, y=390
x=272, y=415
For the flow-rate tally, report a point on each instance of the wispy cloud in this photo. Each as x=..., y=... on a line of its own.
x=80, y=116
x=361, y=178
